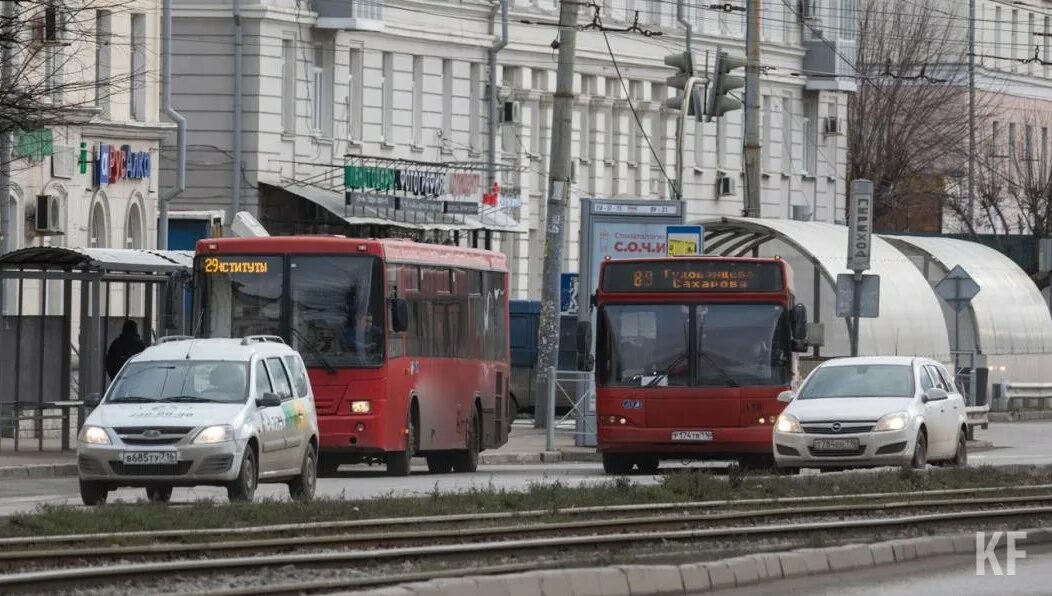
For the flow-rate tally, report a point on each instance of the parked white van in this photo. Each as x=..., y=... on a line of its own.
x=188, y=412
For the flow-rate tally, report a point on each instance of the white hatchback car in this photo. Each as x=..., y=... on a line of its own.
x=875, y=411
x=187, y=412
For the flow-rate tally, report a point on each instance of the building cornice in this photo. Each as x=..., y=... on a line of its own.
x=136, y=131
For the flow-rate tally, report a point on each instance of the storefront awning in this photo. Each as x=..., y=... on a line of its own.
x=488, y=218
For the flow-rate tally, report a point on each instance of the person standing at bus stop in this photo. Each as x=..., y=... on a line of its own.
x=127, y=344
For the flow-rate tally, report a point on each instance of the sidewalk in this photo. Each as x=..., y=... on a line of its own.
x=524, y=446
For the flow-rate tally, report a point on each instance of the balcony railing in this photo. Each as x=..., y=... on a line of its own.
x=362, y=15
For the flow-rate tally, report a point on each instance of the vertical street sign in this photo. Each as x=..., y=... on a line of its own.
x=860, y=228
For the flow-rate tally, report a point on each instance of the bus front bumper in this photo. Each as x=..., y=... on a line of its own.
x=713, y=442
x=352, y=434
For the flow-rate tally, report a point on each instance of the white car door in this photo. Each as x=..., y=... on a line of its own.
x=272, y=425
x=942, y=426
x=959, y=406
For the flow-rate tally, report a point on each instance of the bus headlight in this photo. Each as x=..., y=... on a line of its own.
x=787, y=423
x=361, y=407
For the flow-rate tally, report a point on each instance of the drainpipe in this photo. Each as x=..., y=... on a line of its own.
x=494, y=109
x=236, y=174
x=180, y=123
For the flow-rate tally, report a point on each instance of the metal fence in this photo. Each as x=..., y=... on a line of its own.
x=578, y=389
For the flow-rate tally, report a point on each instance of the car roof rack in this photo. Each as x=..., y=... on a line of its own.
x=168, y=338
x=251, y=339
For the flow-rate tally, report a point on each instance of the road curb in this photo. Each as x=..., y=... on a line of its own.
x=1020, y=416
x=695, y=578
x=39, y=471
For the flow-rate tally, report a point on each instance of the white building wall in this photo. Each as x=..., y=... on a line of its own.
x=462, y=32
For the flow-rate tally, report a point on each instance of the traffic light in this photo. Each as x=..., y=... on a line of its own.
x=684, y=62
x=722, y=83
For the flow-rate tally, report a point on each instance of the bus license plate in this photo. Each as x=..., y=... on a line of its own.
x=150, y=457
x=835, y=444
x=691, y=435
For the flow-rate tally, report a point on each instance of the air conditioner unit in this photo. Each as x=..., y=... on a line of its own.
x=725, y=186
x=831, y=125
x=802, y=212
x=512, y=113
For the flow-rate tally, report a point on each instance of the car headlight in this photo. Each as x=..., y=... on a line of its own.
x=215, y=434
x=95, y=435
x=787, y=423
x=896, y=421
x=361, y=407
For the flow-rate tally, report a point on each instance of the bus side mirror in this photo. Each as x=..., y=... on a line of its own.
x=399, y=315
x=584, y=337
x=798, y=323
x=585, y=362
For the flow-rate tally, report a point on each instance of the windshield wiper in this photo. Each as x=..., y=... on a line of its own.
x=195, y=399
x=719, y=369
x=668, y=369
x=314, y=350
x=130, y=399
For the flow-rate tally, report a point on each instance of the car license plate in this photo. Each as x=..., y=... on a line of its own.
x=150, y=457
x=691, y=435
x=835, y=444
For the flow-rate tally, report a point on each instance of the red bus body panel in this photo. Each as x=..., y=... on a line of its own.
x=731, y=414
x=445, y=389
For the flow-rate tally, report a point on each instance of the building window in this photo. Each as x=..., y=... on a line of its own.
x=387, y=98
x=998, y=24
x=288, y=87
x=475, y=108
x=787, y=135
x=418, y=100
x=447, y=102
x=317, y=94
x=848, y=18
x=1014, y=39
x=811, y=135
x=97, y=228
x=355, y=94
x=103, y=31
x=138, y=67
x=768, y=154
x=995, y=139
x=721, y=143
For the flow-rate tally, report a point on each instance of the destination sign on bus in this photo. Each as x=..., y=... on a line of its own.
x=692, y=276
x=216, y=265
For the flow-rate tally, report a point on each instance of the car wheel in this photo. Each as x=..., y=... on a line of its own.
x=467, y=461
x=919, y=461
x=400, y=462
x=439, y=463
x=616, y=465
x=93, y=493
x=159, y=494
x=243, y=488
x=301, y=488
x=960, y=458
x=648, y=465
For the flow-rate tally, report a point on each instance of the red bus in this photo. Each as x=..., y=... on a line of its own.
x=691, y=354
x=406, y=344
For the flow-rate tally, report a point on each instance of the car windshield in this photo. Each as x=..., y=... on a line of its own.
x=859, y=380
x=187, y=381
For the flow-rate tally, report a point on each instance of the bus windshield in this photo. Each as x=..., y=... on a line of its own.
x=333, y=315
x=732, y=345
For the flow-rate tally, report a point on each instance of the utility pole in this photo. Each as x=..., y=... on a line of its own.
x=558, y=194
x=752, y=109
x=971, y=114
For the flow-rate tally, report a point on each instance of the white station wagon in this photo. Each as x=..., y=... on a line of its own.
x=187, y=412
x=875, y=411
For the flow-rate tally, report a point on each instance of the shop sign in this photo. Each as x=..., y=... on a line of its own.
x=418, y=190
x=113, y=164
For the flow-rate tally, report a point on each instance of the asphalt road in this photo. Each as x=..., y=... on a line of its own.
x=951, y=575
x=1017, y=443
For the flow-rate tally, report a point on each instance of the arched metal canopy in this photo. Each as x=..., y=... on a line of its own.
x=911, y=318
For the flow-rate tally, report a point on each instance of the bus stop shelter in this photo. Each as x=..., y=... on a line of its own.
x=62, y=308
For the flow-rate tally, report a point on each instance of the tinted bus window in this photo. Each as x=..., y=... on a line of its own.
x=645, y=346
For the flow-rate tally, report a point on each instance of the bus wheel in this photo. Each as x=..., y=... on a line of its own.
x=617, y=465
x=468, y=459
x=648, y=465
x=399, y=462
x=439, y=463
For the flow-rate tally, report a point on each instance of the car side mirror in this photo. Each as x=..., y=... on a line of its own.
x=584, y=337
x=93, y=400
x=399, y=315
x=268, y=400
x=786, y=397
x=935, y=394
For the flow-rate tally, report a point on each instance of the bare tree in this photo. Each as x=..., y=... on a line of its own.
x=907, y=124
